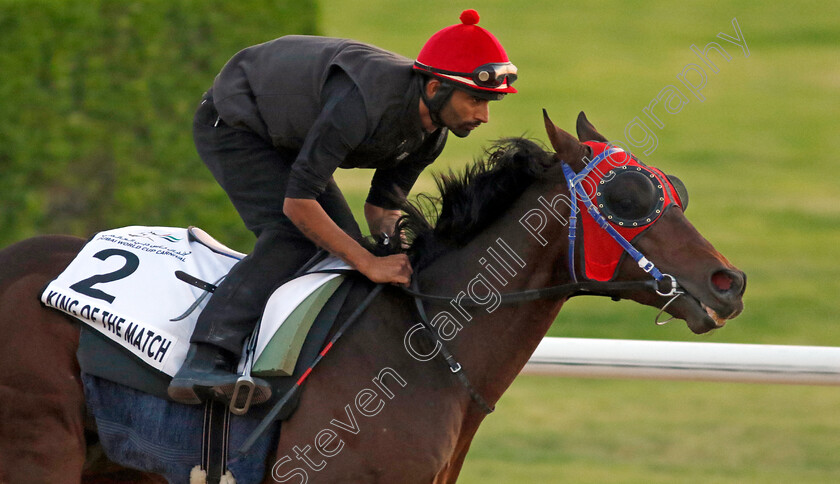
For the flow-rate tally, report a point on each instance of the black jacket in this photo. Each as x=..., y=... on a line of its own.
x=340, y=103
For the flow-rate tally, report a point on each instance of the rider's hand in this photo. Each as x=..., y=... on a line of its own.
x=313, y=221
x=394, y=269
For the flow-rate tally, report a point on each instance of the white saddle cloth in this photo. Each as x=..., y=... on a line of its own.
x=123, y=284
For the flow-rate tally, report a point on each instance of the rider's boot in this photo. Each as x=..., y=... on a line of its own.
x=207, y=374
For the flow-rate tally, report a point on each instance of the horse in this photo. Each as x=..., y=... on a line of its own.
x=380, y=406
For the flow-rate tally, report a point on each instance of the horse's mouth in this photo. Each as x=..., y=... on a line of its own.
x=700, y=317
x=719, y=321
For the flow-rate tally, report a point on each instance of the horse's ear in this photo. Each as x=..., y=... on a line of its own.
x=564, y=144
x=587, y=132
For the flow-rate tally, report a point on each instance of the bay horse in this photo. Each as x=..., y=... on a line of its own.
x=380, y=407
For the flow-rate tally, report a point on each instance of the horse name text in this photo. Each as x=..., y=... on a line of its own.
x=145, y=342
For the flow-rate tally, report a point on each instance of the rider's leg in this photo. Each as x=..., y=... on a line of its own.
x=231, y=314
x=237, y=303
x=253, y=174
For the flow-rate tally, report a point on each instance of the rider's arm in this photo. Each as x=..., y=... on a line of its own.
x=381, y=220
x=389, y=186
x=314, y=222
x=340, y=127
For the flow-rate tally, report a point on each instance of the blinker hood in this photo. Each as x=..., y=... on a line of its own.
x=631, y=197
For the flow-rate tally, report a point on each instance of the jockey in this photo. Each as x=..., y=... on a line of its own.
x=280, y=118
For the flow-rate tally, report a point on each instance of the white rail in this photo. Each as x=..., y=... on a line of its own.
x=609, y=358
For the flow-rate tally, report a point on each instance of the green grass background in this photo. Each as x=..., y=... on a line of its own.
x=758, y=157
x=101, y=142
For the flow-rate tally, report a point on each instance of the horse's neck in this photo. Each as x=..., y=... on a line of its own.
x=496, y=340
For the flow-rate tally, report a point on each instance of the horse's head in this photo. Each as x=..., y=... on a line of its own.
x=620, y=198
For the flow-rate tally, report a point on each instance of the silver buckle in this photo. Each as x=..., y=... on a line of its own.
x=246, y=383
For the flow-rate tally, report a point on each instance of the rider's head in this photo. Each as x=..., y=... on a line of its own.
x=469, y=59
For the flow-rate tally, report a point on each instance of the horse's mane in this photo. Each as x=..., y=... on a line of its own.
x=472, y=200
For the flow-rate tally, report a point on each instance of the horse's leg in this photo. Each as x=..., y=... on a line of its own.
x=41, y=398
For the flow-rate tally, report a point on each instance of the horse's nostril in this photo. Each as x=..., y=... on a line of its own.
x=723, y=281
x=729, y=282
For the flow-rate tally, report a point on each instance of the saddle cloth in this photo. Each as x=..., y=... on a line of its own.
x=124, y=285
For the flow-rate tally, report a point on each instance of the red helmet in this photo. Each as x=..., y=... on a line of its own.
x=469, y=56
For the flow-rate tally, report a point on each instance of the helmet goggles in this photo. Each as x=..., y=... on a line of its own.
x=488, y=76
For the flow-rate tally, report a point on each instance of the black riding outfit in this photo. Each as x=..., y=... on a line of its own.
x=280, y=118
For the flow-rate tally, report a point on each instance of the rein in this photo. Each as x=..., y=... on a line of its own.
x=560, y=291
x=593, y=288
